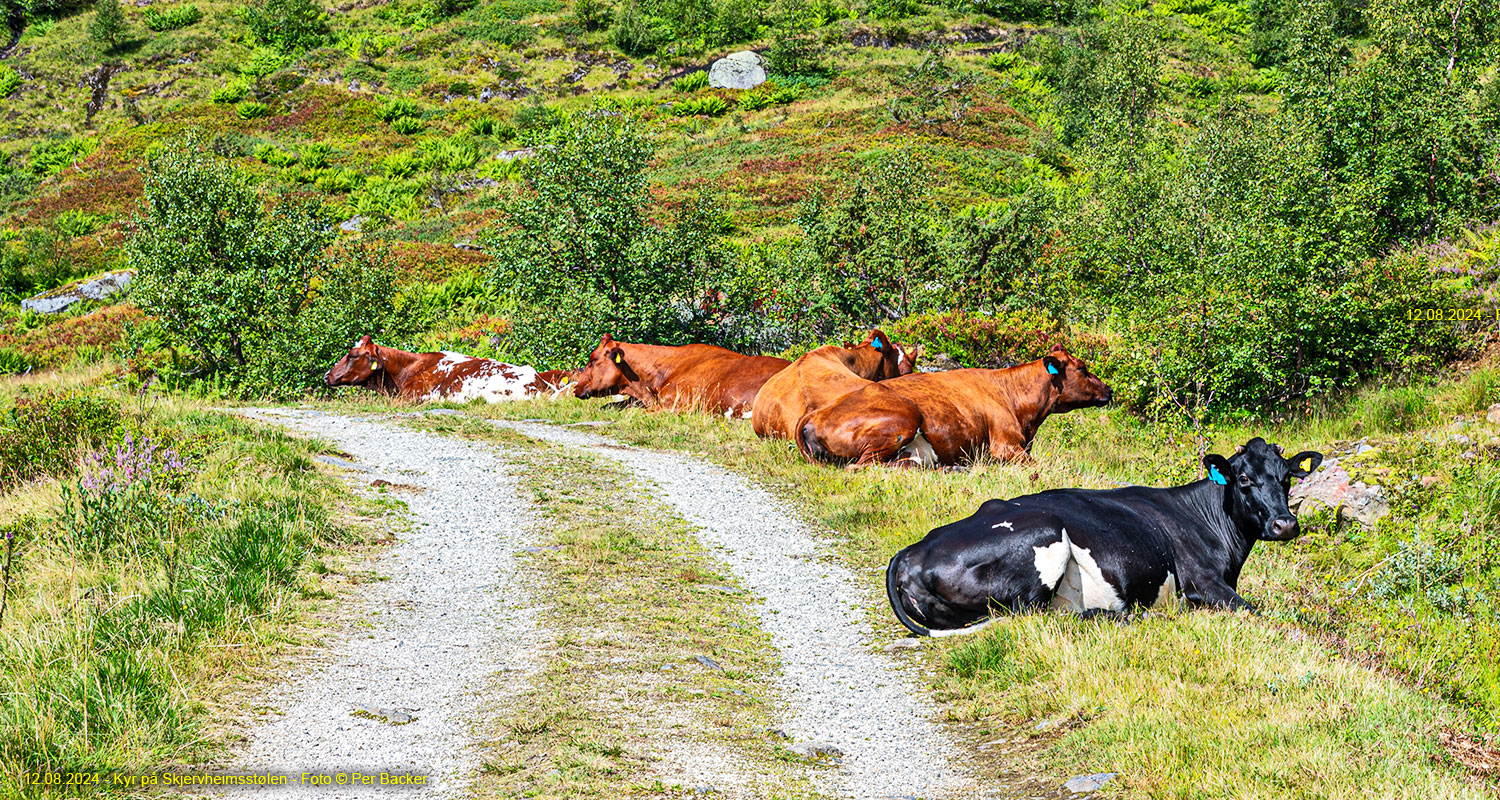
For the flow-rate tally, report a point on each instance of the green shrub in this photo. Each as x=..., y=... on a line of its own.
x=290, y=26
x=231, y=92
x=450, y=154
x=316, y=155
x=406, y=79
x=535, y=120
x=709, y=105
x=581, y=257
x=249, y=290
x=483, y=126
x=76, y=222
x=14, y=362
x=592, y=15
x=401, y=164
x=990, y=341
x=51, y=156
x=691, y=82
x=275, y=156
x=338, y=181
x=173, y=18
x=638, y=32
x=250, y=109
x=397, y=108
x=1020, y=10
x=766, y=95
x=933, y=93
x=800, y=54
x=892, y=9
x=406, y=126
x=42, y=433
x=107, y=24
x=10, y=80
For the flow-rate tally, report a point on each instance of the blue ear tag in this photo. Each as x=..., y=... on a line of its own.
x=875, y=343
x=1215, y=476
x=1052, y=369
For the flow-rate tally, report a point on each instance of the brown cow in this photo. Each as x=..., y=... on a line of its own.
x=944, y=417
x=694, y=376
x=440, y=376
x=824, y=375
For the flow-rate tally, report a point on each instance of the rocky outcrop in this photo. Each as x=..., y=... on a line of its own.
x=96, y=288
x=1333, y=488
x=742, y=70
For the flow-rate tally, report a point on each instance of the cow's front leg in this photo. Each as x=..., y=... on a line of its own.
x=1220, y=596
x=1010, y=452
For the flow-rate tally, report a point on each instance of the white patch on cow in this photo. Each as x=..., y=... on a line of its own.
x=1050, y=560
x=1005, y=525
x=490, y=385
x=918, y=451
x=449, y=361
x=1168, y=591
x=745, y=414
x=1083, y=587
x=728, y=413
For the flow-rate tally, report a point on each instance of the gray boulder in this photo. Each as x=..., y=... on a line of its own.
x=96, y=288
x=1332, y=487
x=742, y=70
x=1088, y=784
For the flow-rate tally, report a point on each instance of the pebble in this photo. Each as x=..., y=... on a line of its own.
x=1088, y=784
x=708, y=662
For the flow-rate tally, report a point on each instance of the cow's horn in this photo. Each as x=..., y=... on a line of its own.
x=1279, y=451
x=1239, y=448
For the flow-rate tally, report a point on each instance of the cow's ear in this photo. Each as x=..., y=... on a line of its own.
x=617, y=355
x=1054, y=367
x=1311, y=457
x=1218, y=468
x=916, y=353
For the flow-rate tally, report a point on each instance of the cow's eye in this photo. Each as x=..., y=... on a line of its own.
x=1245, y=481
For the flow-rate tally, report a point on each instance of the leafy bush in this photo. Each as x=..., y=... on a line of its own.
x=892, y=9
x=75, y=222
x=581, y=257
x=534, y=121
x=250, y=109
x=275, y=156
x=638, y=32
x=709, y=105
x=991, y=341
x=1020, y=10
x=691, y=82
x=14, y=362
x=173, y=18
x=401, y=164
x=315, y=155
x=397, y=108
x=766, y=95
x=51, y=156
x=231, y=92
x=248, y=289
x=592, y=15
x=107, y=24
x=452, y=154
x=796, y=54
x=406, y=126
x=42, y=433
x=290, y=26
x=406, y=79
x=10, y=80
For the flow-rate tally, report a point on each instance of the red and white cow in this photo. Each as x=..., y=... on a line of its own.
x=441, y=376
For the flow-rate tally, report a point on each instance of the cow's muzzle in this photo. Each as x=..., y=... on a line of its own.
x=1284, y=528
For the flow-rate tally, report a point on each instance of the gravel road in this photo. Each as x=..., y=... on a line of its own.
x=836, y=689
x=449, y=622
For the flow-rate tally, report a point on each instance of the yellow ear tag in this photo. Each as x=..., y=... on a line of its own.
x=374, y=364
x=619, y=357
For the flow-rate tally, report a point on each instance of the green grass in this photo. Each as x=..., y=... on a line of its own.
x=133, y=631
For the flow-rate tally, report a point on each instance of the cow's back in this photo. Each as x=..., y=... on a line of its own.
x=712, y=378
x=812, y=381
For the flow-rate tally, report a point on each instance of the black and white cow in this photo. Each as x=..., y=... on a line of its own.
x=1090, y=550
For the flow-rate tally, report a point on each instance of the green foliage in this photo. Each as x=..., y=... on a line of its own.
x=51, y=156
x=534, y=121
x=994, y=657
x=107, y=24
x=1109, y=87
x=10, y=80
x=580, y=256
x=892, y=9
x=768, y=94
x=248, y=289
x=73, y=223
x=231, y=92
x=398, y=107
x=991, y=341
x=316, y=155
x=275, y=156
x=42, y=433
x=406, y=79
x=691, y=82
x=933, y=93
x=639, y=32
x=289, y=26
x=406, y=126
x=250, y=109
x=1018, y=10
x=796, y=54
x=173, y=18
x=592, y=15
x=709, y=105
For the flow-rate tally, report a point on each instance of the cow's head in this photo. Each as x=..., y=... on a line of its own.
x=1076, y=386
x=878, y=358
x=906, y=359
x=1256, y=481
x=361, y=365
x=607, y=372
